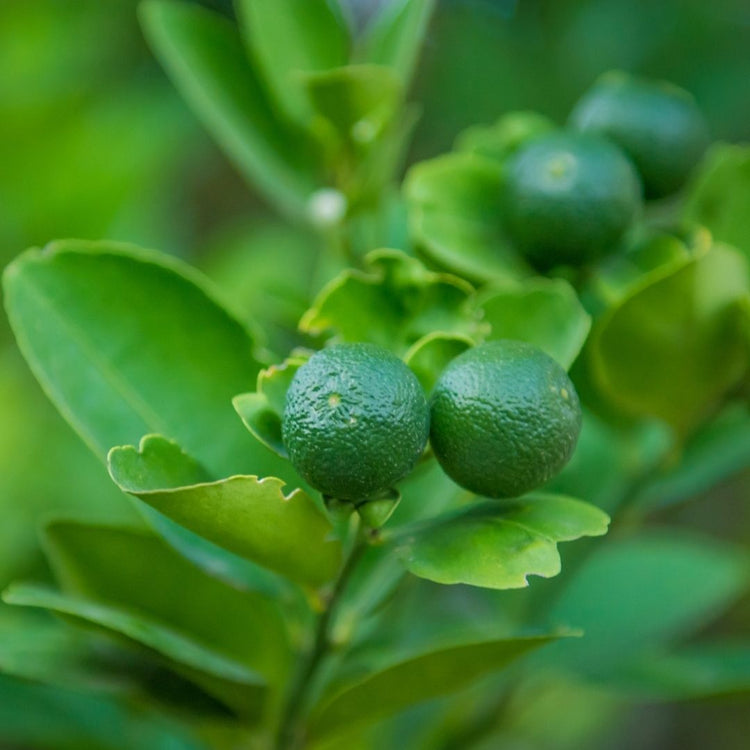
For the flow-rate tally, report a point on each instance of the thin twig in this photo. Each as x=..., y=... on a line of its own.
x=291, y=730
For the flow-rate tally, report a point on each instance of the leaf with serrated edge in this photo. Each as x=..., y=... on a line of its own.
x=136, y=342
x=261, y=412
x=498, y=543
x=543, y=312
x=429, y=356
x=394, y=303
x=455, y=217
x=501, y=139
x=251, y=517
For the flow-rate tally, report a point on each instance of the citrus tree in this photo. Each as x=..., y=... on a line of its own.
x=351, y=492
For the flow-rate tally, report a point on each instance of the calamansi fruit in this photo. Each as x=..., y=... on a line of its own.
x=569, y=198
x=505, y=418
x=657, y=123
x=355, y=421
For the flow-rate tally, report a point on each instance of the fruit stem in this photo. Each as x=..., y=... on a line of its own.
x=291, y=727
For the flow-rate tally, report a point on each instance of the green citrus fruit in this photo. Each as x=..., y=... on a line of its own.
x=505, y=418
x=569, y=198
x=658, y=124
x=355, y=421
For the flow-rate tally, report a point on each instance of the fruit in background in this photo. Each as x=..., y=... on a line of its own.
x=657, y=123
x=569, y=198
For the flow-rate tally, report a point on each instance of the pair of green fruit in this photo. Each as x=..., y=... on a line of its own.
x=503, y=418
x=570, y=196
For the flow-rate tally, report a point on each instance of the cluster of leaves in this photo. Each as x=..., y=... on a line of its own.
x=298, y=102
x=273, y=620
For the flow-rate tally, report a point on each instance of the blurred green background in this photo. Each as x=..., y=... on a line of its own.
x=95, y=143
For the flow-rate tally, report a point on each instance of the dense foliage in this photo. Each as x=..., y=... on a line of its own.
x=363, y=598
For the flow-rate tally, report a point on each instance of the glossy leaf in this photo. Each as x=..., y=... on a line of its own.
x=719, y=194
x=636, y=593
x=377, y=690
x=394, y=303
x=543, y=312
x=674, y=346
x=34, y=715
x=455, y=217
x=359, y=101
x=204, y=56
x=429, y=356
x=396, y=34
x=134, y=342
x=135, y=570
x=291, y=37
x=262, y=411
x=231, y=682
x=501, y=139
x=248, y=516
x=117, y=319
x=498, y=544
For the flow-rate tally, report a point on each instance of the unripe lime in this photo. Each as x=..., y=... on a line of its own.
x=569, y=198
x=505, y=418
x=355, y=421
x=658, y=124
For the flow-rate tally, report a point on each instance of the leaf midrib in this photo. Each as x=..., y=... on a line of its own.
x=135, y=401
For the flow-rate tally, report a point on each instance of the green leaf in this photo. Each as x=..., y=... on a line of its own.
x=394, y=37
x=504, y=137
x=135, y=570
x=134, y=342
x=429, y=356
x=359, y=101
x=39, y=648
x=609, y=461
x=719, y=450
x=394, y=303
x=719, y=194
x=291, y=37
x=268, y=270
x=34, y=715
x=248, y=516
x=498, y=543
x=705, y=670
x=239, y=687
x=455, y=217
x=377, y=690
x=636, y=593
x=657, y=248
x=673, y=346
x=262, y=411
x=204, y=55
x=544, y=312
